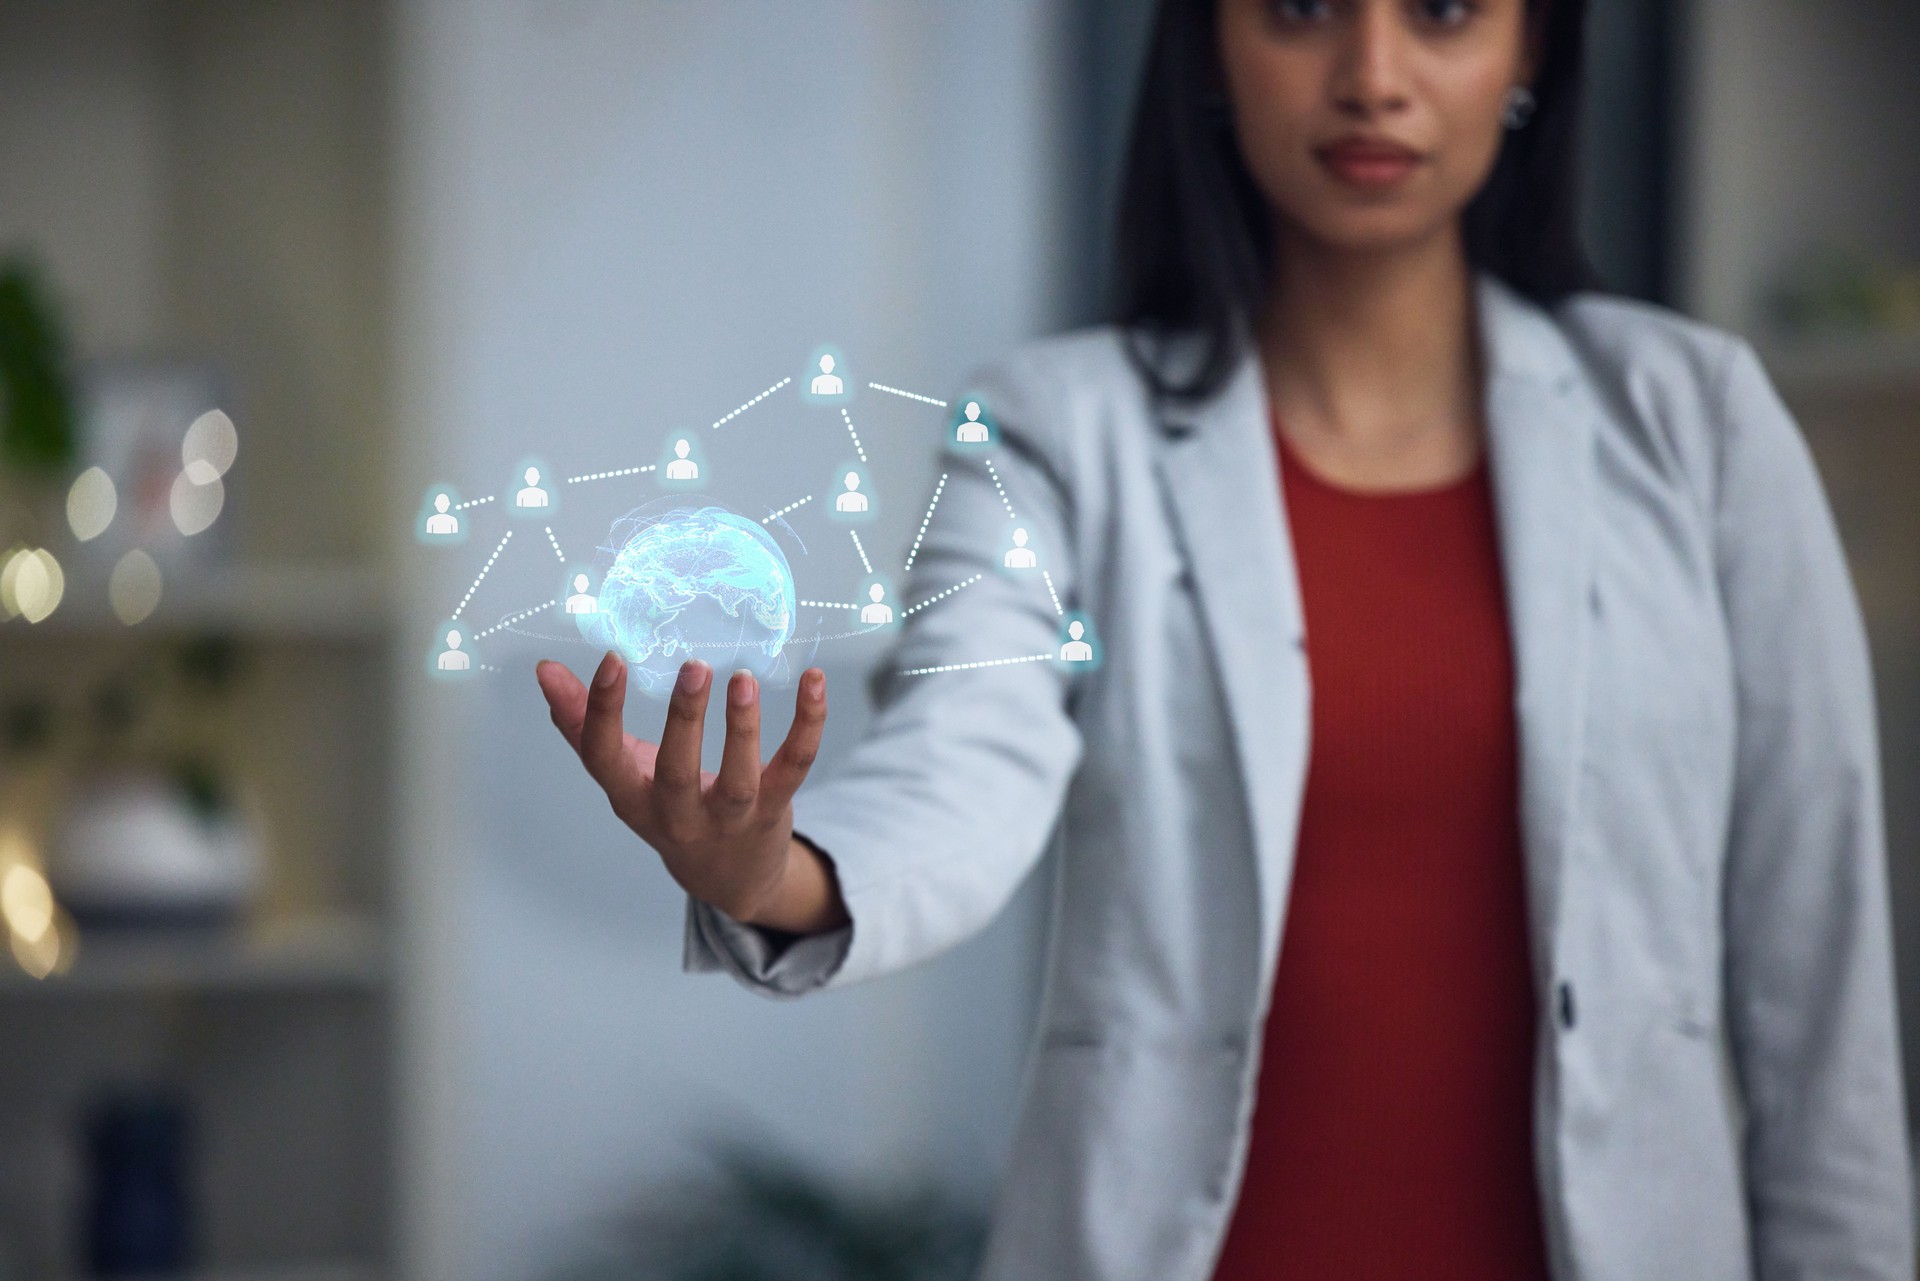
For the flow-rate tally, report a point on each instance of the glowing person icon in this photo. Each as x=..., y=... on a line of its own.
x=826, y=382
x=1020, y=556
x=853, y=500
x=532, y=495
x=972, y=431
x=451, y=659
x=443, y=522
x=1076, y=650
x=876, y=613
x=582, y=602
x=682, y=467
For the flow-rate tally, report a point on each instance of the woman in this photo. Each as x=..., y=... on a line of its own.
x=1491, y=636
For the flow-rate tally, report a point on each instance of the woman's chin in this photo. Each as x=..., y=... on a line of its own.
x=1372, y=230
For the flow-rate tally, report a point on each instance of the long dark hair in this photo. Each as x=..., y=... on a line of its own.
x=1193, y=246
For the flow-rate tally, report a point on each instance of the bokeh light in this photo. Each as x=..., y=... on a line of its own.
x=10, y=562
x=196, y=504
x=134, y=588
x=26, y=901
x=42, y=938
x=91, y=504
x=32, y=584
x=211, y=445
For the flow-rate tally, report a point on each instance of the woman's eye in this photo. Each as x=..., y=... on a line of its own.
x=1443, y=13
x=1300, y=11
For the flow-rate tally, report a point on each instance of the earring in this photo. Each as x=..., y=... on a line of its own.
x=1520, y=105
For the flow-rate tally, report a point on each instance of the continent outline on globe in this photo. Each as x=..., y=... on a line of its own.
x=693, y=582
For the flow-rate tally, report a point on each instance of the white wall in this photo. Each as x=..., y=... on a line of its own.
x=619, y=219
x=1797, y=138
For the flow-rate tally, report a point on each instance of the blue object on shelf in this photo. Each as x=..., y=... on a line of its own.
x=138, y=1216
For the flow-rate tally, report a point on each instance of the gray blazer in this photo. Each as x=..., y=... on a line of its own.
x=1717, y=1092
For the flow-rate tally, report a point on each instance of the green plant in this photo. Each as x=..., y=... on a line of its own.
x=761, y=1216
x=36, y=394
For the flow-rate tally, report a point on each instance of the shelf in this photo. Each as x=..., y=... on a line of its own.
x=1845, y=365
x=291, y=602
x=327, y=954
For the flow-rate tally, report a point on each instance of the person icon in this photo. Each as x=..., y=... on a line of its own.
x=582, y=602
x=443, y=523
x=682, y=467
x=1076, y=650
x=532, y=495
x=826, y=382
x=876, y=613
x=1020, y=556
x=853, y=500
x=972, y=431
x=451, y=658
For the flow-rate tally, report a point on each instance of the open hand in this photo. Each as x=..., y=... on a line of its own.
x=727, y=838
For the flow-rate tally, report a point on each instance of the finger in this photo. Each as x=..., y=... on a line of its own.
x=789, y=766
x=566, y=699
x=738, y=783
x=676, y=767
x=602, y=740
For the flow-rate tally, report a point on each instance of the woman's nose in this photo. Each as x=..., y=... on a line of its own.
x=1369, y=73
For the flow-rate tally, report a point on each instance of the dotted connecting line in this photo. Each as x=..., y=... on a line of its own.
x=751, y=403
x=473, y=502
x=556, y=545
x=1056, y=595
x=895, y=391
x=967, y=667
x=738, y=643
x=511, y=619
x=784, y=510
x=926, y=520
x=941, y=596
x=483, y=573
x=827, y=604
x=858, y=447
x=608, y=475
x=486, y=668
x=1002, y=488
x=862, y=550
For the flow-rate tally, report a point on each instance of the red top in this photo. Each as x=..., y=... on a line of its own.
x=1392, y=1131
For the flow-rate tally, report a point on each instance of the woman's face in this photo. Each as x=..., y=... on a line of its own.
x=1370, y=124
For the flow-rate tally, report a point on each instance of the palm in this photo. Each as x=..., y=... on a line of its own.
x=723, y=835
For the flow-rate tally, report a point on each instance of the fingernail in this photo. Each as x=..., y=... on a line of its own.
x=741, y=688
x=693, y=676
x=816, y=684
x=609, y=669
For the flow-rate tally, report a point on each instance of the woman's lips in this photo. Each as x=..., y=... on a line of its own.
x=1368, y=163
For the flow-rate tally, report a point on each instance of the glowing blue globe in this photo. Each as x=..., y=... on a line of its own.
x=694, y=583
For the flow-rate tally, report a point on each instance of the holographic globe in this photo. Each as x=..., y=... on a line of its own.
x=694, y=583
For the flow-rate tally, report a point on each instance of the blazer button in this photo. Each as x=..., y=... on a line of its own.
x=1564, y=995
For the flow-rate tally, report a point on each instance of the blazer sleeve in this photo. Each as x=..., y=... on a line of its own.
x=939, y=813
x=1809, y=973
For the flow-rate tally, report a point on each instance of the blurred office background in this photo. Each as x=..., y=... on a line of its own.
x=398, y=998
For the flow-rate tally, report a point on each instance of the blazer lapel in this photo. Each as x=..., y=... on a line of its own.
x=1541, y=413
x=1222, y=482
x=1220, y=472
